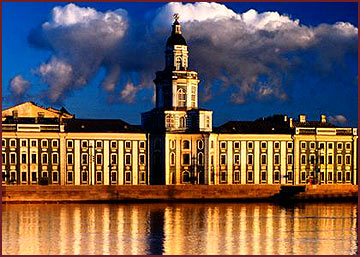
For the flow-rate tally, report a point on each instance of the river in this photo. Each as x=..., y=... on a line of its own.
x=179, y=228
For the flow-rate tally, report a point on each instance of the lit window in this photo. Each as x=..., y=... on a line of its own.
x=181, y=97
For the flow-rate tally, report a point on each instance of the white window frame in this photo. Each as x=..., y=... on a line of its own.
x=127, y=163
x=10, y=143
x=57, y=158
x=144, y=163
x=57, y=143
x=42, y=143
x=10, y=161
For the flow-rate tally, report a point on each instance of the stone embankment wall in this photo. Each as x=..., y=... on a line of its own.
x=140, y=193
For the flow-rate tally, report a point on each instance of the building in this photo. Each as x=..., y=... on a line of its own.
x=176, y=143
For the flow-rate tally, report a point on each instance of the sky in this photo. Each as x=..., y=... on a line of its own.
x=254, y=60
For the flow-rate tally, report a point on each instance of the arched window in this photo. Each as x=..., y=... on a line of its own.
x=201, y=159
x=172, y=159
x=178, y=63
x=181, y=97
x=186, y=144
x=186, y=177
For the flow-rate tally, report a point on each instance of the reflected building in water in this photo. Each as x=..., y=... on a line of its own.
x=176, y=144
x=180, y=229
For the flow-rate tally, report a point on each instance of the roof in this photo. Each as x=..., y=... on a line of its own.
x=175, y=38
x=254, y=127
x=314, y=124
x=101, y=125
x=29, y=120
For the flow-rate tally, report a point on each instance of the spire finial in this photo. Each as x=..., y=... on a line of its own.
x=176, y=16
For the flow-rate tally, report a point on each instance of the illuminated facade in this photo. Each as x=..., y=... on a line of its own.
x=176, y=143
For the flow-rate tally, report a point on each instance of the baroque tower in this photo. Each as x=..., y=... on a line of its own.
x=177, y=92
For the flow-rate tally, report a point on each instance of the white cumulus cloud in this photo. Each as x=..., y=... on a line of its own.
x=338, y=119
x=19, y=86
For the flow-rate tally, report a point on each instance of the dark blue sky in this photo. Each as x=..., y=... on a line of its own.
x=307, y=93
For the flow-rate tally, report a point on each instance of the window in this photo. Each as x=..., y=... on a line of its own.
x=250, y=145
x=33, y=143
x=128, y=159
x=172, y=144
x=200, y=144
x=250, y=176
x=236, y=176
x=23, y=143
x=181, y=97
x=330, y=145
x=212, y=144
x=186, y=159
x=339, y=146
x=84, y=159
x=142, y=159
x=186, y=177
x=263, y=145
x=55, y=158
x=312, y=159
x=303, y=176
x=290, y=145
x=263, y=159
x=113, y=144
x=339, y=159
x=276, y=175
x=223, y=145
x=186, y=144
x=12, y=158
x=330, y=176
x=347, y=176
x=84, y=176
x=70, y=159
x=44, y=143
x=182, y=122
x=99, y=159
x=55, y=143
x=237, y=145
x=12, y=143
x=23, y=158
x=322, y=159
x=339, y=176
x=250, y=159
x=223, y=159
x=172, y=159
x=277, y=145
x=223, y=176
x=84, y=144
x=263, y=175
x=23, y=176
x=44, y=158
x=347, y=160
x=348, y=146
x=212, y=160
x=3, y=158
x=33, y=158
x=54, y=177
x=303, y=145
x=289, y=159
x=312, y=145
x=3, y=143
x=70, y=144
x=128, y=144
x=237, y=159
x=201, y=159
x=322, y=145
x=33, y=176
x=303, y=159
x=289, y=175
x=330, y=159
x=276, y=159
x=142, y=145
x=98, y=144
x=113, y=177
x=113, y=159
x=98, y=177
x=128, y=177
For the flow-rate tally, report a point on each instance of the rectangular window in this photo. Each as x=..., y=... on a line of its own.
x=70, y=159
x=330, y=145
x=33, y=143
x=339, y=176
x=330, y=176
x=23, y=143
x=84, y=144
x=3, y=158
x=69, y=176
x=322, y=145
x=330, y=159
x=339, y=146
x=303, y=176
x=236, y=176
x=347, y=176
x=303, y=145
x=186, y=159
x=84, y=158
x=263, y=145
x=223, y=159
x=113, y=177
x=55, y=159
x=312, y=145
x=289, y=159
x=312, y=159
x=277, y=145
x=223, y=145
x=44, y=143
x=98, y=177
x=322, y=159
x=55, y=143
x=303, y=159
x=237, y=145
x=290, y=145
x=3, y=143
x=12, y=143
x=113, y=159
x=142, y=145
x=212, y=144
x=113, y=144
x=263, y=176
x=289, y=175
x=347, y=160
x=263, y=159
x=12, y=158
x=276, y=175
x=250, y=176
x=348, y=146
x=142, y=159
x=128, y=177
x=54, y=177
x=237, y=159
x=128, y=159
x=33, y=158
x=23, y=158
x=98, y=144
x=70, y=144
x=33, y=176
x=250, y=145
x=127, y=144
x=276, y=159
x=223, y=176
x=250, y=159
x=23, y=176
x=84, y=176
x=172, y=159
x=98, y=159
x=339, y=159
x=44, y=158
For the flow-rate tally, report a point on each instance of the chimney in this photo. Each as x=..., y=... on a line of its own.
x=302, y=118
x=291, y=123
x=285, y=118
x=323, y=118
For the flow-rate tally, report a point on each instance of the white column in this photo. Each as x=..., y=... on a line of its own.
x=92, y=150
x=77, y=163
x=135, y=162
x=282, y=162
x=167, y=163
x=256, y=162
x=121, y=162
x=106, y=162
x=243, y=162
x=229, y=162
x=270, y=156
x=296, y=161
x=62, y=160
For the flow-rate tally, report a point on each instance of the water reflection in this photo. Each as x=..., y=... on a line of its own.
x=229, y=228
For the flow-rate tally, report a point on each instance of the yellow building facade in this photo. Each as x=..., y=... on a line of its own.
x=176, y=143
